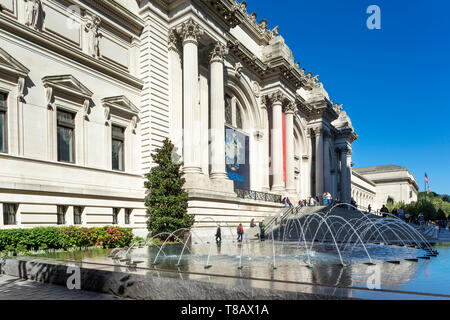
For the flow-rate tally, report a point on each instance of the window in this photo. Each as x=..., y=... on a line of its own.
x=61, y=214
x=77, y=211
x=115, y=215
x=238, y=117
x=3, y=122
x=66, y=126
x=228, y=111
x=9, y=213
x=118, y=139
x=128, y=215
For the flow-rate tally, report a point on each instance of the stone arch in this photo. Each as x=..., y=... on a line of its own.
x=252, y=122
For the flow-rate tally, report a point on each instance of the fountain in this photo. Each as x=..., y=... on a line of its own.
x=342, y=235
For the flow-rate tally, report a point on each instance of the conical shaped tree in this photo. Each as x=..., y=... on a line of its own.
x=166, y=199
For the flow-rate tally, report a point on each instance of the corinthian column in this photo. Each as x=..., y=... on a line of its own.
x=290, y=163
x=319, y=159
x=327, y=162
x=277, y=142
x=345, y=194
x=176, y=92
x=218, y=170
x=190, y=31
x=266, y=154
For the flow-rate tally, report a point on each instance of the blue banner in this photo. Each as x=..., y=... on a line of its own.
x=237, y=158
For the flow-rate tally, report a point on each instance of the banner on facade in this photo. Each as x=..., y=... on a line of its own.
x=237, y=158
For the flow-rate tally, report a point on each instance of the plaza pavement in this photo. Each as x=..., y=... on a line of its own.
x=12, y=288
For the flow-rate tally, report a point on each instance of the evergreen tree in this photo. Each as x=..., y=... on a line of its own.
x=166, y=199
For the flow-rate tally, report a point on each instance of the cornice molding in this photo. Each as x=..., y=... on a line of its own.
x=119, y=13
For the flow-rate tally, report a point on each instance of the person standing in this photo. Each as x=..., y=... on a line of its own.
x=218, y=235
x=407, y=217
x=369, y=208
x=384, y=210
x=240, y=232
x=261, y=231
x=400, y=213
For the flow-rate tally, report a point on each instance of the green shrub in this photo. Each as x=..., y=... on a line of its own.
x=45, y=238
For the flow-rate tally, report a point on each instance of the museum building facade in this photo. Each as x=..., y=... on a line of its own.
x=89, y=89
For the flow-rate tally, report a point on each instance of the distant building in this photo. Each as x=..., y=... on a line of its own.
x=380, y=184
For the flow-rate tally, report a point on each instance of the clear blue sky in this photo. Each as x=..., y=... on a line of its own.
x=394, y=83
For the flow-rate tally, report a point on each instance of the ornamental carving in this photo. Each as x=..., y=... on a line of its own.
x=218, y=52
x=238, y=69
x=318, y=131
x=290, y=107
x=260, y=28
x=20, y=88
x=33, y=13
x=190, y=31
x=92, y=29
x=277, y=97
x=173, y=40
x=256, y=89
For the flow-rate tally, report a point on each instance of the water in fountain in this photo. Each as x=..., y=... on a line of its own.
x=342, y=234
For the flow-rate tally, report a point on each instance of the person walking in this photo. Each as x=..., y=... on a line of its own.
x=288, y=202
x=240, y=232
x=218, y=235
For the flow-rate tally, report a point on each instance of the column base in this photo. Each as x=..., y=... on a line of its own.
x=218, y=176
x=192, y=170
x=278, y=189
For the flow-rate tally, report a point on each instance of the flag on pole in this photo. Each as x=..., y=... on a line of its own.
x=429, y=190
x=426, y=178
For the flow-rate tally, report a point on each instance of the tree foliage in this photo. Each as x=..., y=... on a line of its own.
x=432, y=206
x=166, y=199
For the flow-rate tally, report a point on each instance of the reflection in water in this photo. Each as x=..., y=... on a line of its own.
x=292, y=266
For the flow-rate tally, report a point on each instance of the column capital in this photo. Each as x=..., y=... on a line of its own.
x=344, y=149
x=173, y=42
x=218, y=52
x=290, y=108
x=277, y=97
x=190, y=31
x=318, y=130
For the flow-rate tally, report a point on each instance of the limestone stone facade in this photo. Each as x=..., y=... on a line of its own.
x=379, y=184
x=154, y=69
